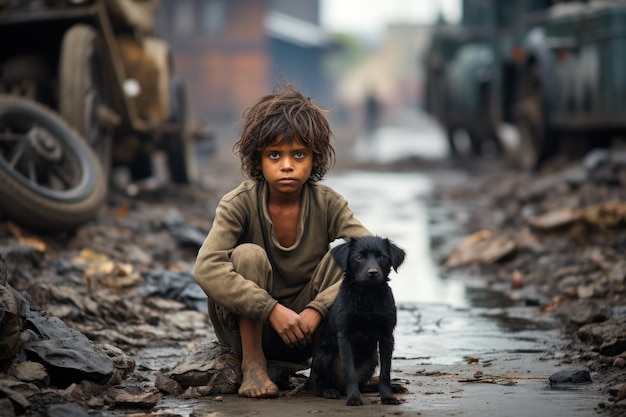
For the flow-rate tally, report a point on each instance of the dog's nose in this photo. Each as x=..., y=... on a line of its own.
x=372, y=272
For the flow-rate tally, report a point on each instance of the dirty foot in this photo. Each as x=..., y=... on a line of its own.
x=256, y=383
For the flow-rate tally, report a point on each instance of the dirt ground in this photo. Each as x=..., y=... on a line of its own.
x=554, y=240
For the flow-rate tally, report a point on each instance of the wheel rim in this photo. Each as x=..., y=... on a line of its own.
x=32, y=154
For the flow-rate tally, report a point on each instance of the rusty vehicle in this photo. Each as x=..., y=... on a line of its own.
x=535, y=77
x=85, y=86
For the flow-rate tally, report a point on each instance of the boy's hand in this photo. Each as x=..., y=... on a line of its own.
x=312, y=318
x=295, y=329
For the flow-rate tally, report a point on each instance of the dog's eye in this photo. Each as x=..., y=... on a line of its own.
x=382, y=257
x=359, y=258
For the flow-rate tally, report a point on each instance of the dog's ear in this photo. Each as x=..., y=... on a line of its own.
x=341, y=253
x=397, y=255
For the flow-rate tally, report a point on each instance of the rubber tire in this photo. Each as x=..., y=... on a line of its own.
x=37, y=207
x=83, y=88
x=179, y=145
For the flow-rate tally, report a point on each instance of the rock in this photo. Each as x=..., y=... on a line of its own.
x=481, y=247
x=175, y=285
x=124, y=364
x=613, y=347
x=211, y=365
x=213, y=368
x=609, y=336
x=188, y=236
x=554, y=219
x=9, y=320
x=167, y=385
x=69, y=356
x=122, y=398
x=28, y=371
x=27, y=257
x=42, y=401
x=18, y=403
x=603, y=165
x=578, y=313
x=570, y=377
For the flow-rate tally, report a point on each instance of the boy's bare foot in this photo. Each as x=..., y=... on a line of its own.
x=256, y=382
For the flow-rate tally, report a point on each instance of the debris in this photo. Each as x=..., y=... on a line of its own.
x=9, y=323
x=33, y=242
x=554, y=219
x=481, y=247
x=570, y=377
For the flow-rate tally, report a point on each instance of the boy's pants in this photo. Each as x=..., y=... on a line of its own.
x=251, y=261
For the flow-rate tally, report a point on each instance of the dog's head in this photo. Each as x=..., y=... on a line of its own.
x=368, y=259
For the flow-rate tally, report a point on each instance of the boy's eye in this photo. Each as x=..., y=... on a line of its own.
x=273, y=155
x=299, y=155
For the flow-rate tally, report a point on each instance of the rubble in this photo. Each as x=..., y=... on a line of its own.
x=122, y=281
x=555, y=239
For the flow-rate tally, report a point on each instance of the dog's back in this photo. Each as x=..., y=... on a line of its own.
x=362, y=319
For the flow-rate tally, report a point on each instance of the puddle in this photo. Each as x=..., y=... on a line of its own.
x=440, y=320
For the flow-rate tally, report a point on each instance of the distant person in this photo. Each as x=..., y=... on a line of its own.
x=372, y=113
x=265, y=264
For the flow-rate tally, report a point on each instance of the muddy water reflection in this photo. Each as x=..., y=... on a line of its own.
x=440, y=320
x=390, y=204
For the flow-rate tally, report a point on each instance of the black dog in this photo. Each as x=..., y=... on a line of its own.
x=361, y=320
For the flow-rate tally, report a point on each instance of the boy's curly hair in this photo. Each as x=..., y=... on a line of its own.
x=288, y=112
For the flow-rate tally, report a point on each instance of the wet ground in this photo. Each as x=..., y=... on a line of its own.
x=462, y=349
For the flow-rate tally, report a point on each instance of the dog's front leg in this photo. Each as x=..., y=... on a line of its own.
x=385, y=346
x=352, y=383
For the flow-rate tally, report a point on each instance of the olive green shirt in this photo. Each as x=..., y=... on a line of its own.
x=242, y=216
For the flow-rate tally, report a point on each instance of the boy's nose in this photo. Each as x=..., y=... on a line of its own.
x=287, y=163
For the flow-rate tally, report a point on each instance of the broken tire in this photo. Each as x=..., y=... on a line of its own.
x=50, y=179
x=83, y=89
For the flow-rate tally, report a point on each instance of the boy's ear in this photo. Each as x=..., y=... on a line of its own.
x=341, y=253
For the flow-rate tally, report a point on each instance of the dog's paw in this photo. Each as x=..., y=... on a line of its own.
x=331, y=393
x=390, y=400
x=354, y=401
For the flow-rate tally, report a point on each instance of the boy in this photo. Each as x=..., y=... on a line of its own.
x=265, y=264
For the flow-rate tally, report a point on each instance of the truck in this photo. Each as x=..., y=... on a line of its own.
x=85, y=86
x=530, y=79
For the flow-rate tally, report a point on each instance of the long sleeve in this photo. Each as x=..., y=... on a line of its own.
x=214, y=271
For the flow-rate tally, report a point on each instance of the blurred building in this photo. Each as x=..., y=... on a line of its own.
x=232, y=51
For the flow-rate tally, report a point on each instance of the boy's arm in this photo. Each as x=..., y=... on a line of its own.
x=215, y=274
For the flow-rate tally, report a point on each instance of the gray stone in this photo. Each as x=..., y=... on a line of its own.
x=69, y=356
x=570, y=377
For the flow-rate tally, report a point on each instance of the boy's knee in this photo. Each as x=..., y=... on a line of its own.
x=251, y=262
x=249, y=253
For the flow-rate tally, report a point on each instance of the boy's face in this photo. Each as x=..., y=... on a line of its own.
x=286, y=167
